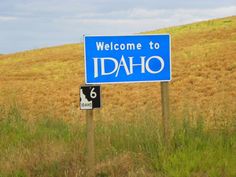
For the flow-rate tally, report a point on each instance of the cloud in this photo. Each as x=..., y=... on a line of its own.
x=7, y=18
x=26, y=24
x=141, y=19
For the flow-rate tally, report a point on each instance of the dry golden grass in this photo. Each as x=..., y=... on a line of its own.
x=203, y=71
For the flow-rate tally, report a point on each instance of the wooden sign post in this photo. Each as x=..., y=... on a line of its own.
x=90, y=98
x=90, y=144
x=165, y=110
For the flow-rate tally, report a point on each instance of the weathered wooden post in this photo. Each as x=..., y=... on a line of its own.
x=165, y=110
x=90, y=144
x=90, y=98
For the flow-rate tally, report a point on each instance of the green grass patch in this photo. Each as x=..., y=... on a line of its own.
x=52, y=147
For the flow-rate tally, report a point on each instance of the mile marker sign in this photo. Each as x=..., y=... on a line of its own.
x=90, y=97
x=127, y=59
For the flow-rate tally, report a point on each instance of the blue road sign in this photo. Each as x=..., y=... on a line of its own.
x=127, y=59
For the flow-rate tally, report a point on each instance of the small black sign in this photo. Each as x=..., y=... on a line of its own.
x=90, y=97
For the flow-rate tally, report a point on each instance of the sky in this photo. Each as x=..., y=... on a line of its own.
x=30, y=24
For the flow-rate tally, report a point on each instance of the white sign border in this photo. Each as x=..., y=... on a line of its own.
x=125, y=82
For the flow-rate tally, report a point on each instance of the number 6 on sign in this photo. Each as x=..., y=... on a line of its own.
x=90, y=97
x=93, y=94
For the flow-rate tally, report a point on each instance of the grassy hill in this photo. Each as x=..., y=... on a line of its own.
x=38, y=86
x=204, y=77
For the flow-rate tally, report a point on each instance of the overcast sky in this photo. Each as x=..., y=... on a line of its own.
x=29, y=24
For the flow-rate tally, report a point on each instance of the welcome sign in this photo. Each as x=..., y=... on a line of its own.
x=127, y=59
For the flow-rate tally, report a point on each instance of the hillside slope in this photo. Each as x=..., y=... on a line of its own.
x=203, y=71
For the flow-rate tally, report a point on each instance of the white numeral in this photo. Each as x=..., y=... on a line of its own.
x=93, y=94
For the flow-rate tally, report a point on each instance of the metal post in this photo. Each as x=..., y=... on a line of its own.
x=90, y=144
x=165, y=110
